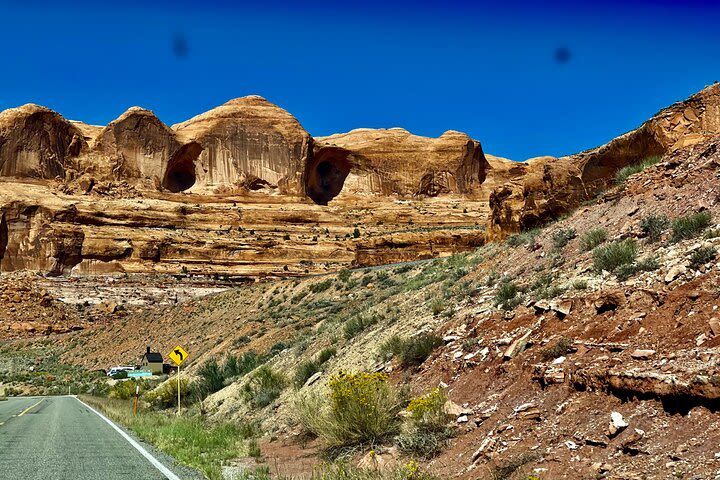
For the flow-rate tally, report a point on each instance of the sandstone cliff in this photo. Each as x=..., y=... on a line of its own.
x=36, y=142
x=393, y=161
x=552, y=186
x=247, y=142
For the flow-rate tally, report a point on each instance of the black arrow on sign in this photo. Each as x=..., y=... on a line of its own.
x=179, y=354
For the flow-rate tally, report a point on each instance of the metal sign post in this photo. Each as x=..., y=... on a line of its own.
x=178, y=355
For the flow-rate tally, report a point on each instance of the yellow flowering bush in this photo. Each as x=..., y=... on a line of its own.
x=357, y=408
x=426, y=429
x=428, y=411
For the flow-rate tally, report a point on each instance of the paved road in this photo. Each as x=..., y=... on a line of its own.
x=58, y=438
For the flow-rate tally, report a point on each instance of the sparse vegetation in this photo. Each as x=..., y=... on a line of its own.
x=524, y=238
x=580, y=284
x=624, y=173
x=321, y=286
x=310, y=367
x=702, y=256
x=410, y=351
x=263, y=387
x=592, y=238
x=426, y=428
x=653, y=226
x=437, y=306
x=562, y=237
x=507, y=295
x=690, y=226
x=358, y=408
x=358, y=324
x=614, y=255
x=626, y=271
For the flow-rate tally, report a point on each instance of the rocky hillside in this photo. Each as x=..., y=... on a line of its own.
x=585, y=348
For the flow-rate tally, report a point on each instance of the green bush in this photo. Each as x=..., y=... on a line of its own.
x=321, y=286
x=614, y=255
x=561, y=237
x=702, y=256
x=263, y=387
x=711, y=233
x=626, y=271
x=426, y=427
x=580, y=284
x=212, y=376
x=437, y=306
x=310, y=367
x=690, y=226
x=357, y=408
x=126, y=389
x=358, y=324
x=524, y=238
x=507, y=295
x=344, y=275
x=653, y=226
x=411, y=351
x=165, y=396
x=592, y=238
x=623, y=174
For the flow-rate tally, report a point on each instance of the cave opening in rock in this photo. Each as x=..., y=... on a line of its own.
x=180, y=173
x=325, y=177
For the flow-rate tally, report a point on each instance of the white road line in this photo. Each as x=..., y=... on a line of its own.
x=156, y=463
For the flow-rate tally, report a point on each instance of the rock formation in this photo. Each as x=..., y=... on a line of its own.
x=248, y=142
x=36, y=142
x=393, y=161
x=261, y=197
x=552, y=186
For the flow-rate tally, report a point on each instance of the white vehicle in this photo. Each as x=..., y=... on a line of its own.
x=116, y=370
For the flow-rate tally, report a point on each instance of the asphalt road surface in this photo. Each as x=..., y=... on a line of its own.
x=58, y=438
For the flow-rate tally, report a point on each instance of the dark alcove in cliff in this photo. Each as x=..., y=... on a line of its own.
x=180, y=173
x=326, y=174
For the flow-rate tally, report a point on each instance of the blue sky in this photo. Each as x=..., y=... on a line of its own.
x=488, y=69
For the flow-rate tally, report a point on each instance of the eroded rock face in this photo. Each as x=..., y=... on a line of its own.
x=394, y=161
x=552, y=186
x=248, y=142
x=138, y=146
x=36, y=142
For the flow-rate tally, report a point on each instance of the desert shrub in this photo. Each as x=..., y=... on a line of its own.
x=437, y=306
x=524, y=238
x=561, y=237
x=560, y=349
x=702, y=256
x=653, y=226
x=310, y=367
x=623, y=174
x=357, y=408
x=263, y=387
x=507, y=295
x=126, y=389
x=165, y=396
x=321, y=286
x=592, y=238
x=711, y=233
x=212, y=376
x=626, y=271
x=426, y=428
x=410, y=351
x=614, y=255
x=326, y=354
x=544, y=287
x=344, y=275
x=356, y=233
x=690, y=226
x=580, y=284
x=492, y=278
x=357, y=324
